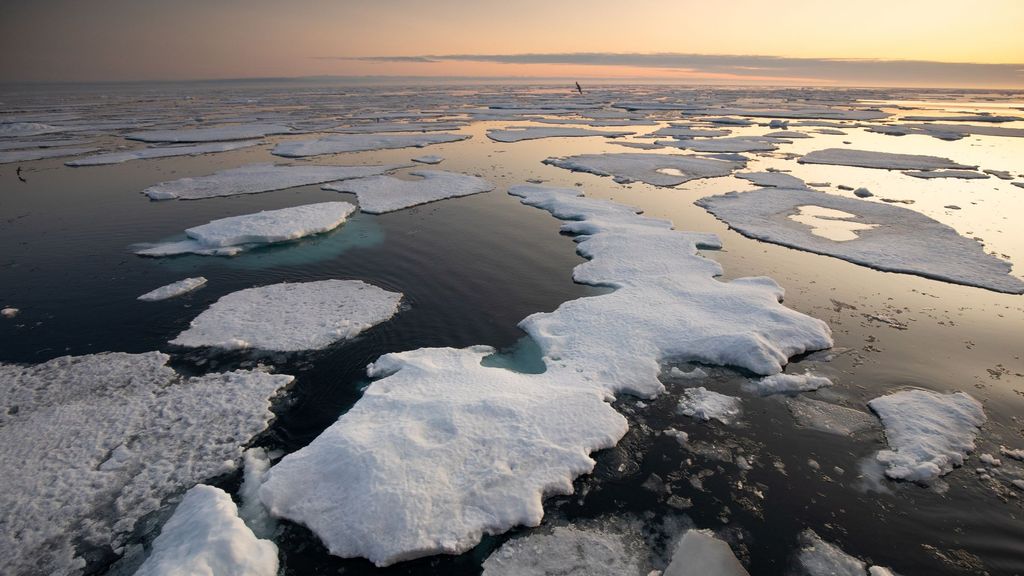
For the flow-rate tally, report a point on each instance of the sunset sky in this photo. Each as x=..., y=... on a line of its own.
x=901, y=42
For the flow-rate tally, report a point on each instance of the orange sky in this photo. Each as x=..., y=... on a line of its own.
x=80, y=40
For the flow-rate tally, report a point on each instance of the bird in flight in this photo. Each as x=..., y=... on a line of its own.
x=578, y=88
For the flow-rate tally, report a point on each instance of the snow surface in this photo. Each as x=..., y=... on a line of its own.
x=89, y=445
x=536, y=132
x=565, y=551
x=161, y=152
x=655, y=169
x=786, y=384
x=291, y=316
x=234, y=234
x=704, y=404
x=901, y=240
x=381, y=194
x=173, y=289
x=731, y=144
x=256, y=178
x=699, y=553
x=772, y=179
x=928, y=433
x=361, y=142
x=10, y=156
x=213, y=134
x=429, y=159
x=883, y=160
x=205, y=537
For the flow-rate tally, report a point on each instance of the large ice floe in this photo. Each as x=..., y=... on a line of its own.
x=161, y=152
x=731, y=144
x=817, y=557
x=380, y=194
x=174, y=289
x=655, y=169
x=536, y=132
x=928, y=433
x=891, y=238
x=205, y=536
x=212, y=134
x=91, y=444
x=442, y=450
x=256, y=178
x=235, y=234
x=883, y=160
x=338, y=143
x=290, y=317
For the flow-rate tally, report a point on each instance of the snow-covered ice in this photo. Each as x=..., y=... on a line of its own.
x=429, y=159
x=537, y=132
x=772, y=179
x=161, y=152
x=256, y=463
x=882, y=160
x=256, y=178
x=700, y=553
x=655, y=169
x=820, y=558
x=206, y=537
x=901, y=240
x=338, y=143
x=291, y=316
x=730, y=144
x=234, y=234
x=91, y=444
x=928, y=433
x=382, y=127
x=687, y=132
x=380, y=194
x=704, y=404
x=173, y=289
x=9, y=312
x=962, y=174
x=10, y=156
x=212, y=134
x=565, y=551
x=21, y=129
x=786, y=384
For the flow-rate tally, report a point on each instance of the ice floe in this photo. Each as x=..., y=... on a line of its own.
x=787, y=135
x=256, y=463
x=429, y=159
x=565, y=551
x=687, y=132
x=820, y=558
x=963, y=174
x=699, y=553
x=20, y=129
x=704, y=404
x=291, y=316
x=89, y=445
x=173, y=289
x=655, y=169
x=22, y=144
x=9, y=156
x=730, y=144
x=827, y=417
x=9, y=312
x=361, y=142
x=161, y=152
x=234, y=234
x=883, y=160
x=965, y=118
x=212, y=134
x=205, y=536
x=380, y=194
x=786, y=384
x=536, y=132
x=256, y=178
x=928, y=433
x=382, y=127
x=772, y=179
x=900, y=240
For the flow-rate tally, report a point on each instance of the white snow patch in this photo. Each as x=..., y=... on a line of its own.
x=786, y=384
x=883, y=160
x=631, y=166
x=361, y=142
x=699, y=553
x=705, y=404
x=695, y=374
x=173, y=289
x=256, y=178
x=161, y=152
x=291, y=316
x=536, y=132
x=381, y=194
x=213, y=134
x=1011, y=453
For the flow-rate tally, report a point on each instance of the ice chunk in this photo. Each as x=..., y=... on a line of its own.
x=205, y=536
x=19, y=129
x=884, y=160
x=820, y=558
x=381, y=194
x=234, y=234
x=536, y=132
x=360, y=142
x=830, y=418
x=9, y=312
x=173, y=289
x=21, y=144
x=705, y=404
x=253, y=512
x=650, y=168
x=1011, y=453
x=91, y=444
x=291, y=316
x=773, y=179
x=695, y=374
x=786, y=384
x=901, y=240
x=928, y=433
x=10, y=156
x=863, y=193
x=161, y=152
x=439, y=452
x=213, y=134
x=256, y=178
x=699, y=553
x=687, y=132
x=964, y=174
x=731, y=144
x=429, y=159
x=565, y=551
x=787, y=134
x=382, y=127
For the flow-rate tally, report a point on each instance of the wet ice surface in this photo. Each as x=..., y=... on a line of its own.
x=380, y=194
x=161, y=152
x=361, y=142
x=235, y=132
x=656, y=169
x=535, y=132
x=174, y=289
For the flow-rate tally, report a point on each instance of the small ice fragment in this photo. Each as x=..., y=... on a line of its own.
x=679, y=435
x=990, y=460
x=9, y=312
x=173, y=289
x=786, y=384
x=705, y=404
x=429, y=159
x=1010, y=453
x=696, y=374
x=862, y=193
x=699, y=553
x=256, y=463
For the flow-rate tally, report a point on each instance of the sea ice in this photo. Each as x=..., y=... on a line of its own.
x=429, y=159
x=964, y=174
x=820, y=558
x=928, y=433
x=213, y=134
x=699, y=553
x=234, y=234
x=826, y=417
x=256, y=178
x=382, y=127
x=883, y=160
x=730, y=144
x=536, y=132
x=291, y=316
x=9, y=312
x=655, y=169
x=565, y=551
x=361, y=142
x=964, y=118
x=687, y=132
x=206, y=537
x=18, y=129
x=704, y=404
x=786, y=384
x=22, y=144
x=900, y=241
x=161, y=152
x=10, y=156
x=787, y=135
x=91, y=444
x=772, y=179
x=173, y=289
x=381, y=194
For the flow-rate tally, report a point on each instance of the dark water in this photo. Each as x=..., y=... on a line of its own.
x=470, y=269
